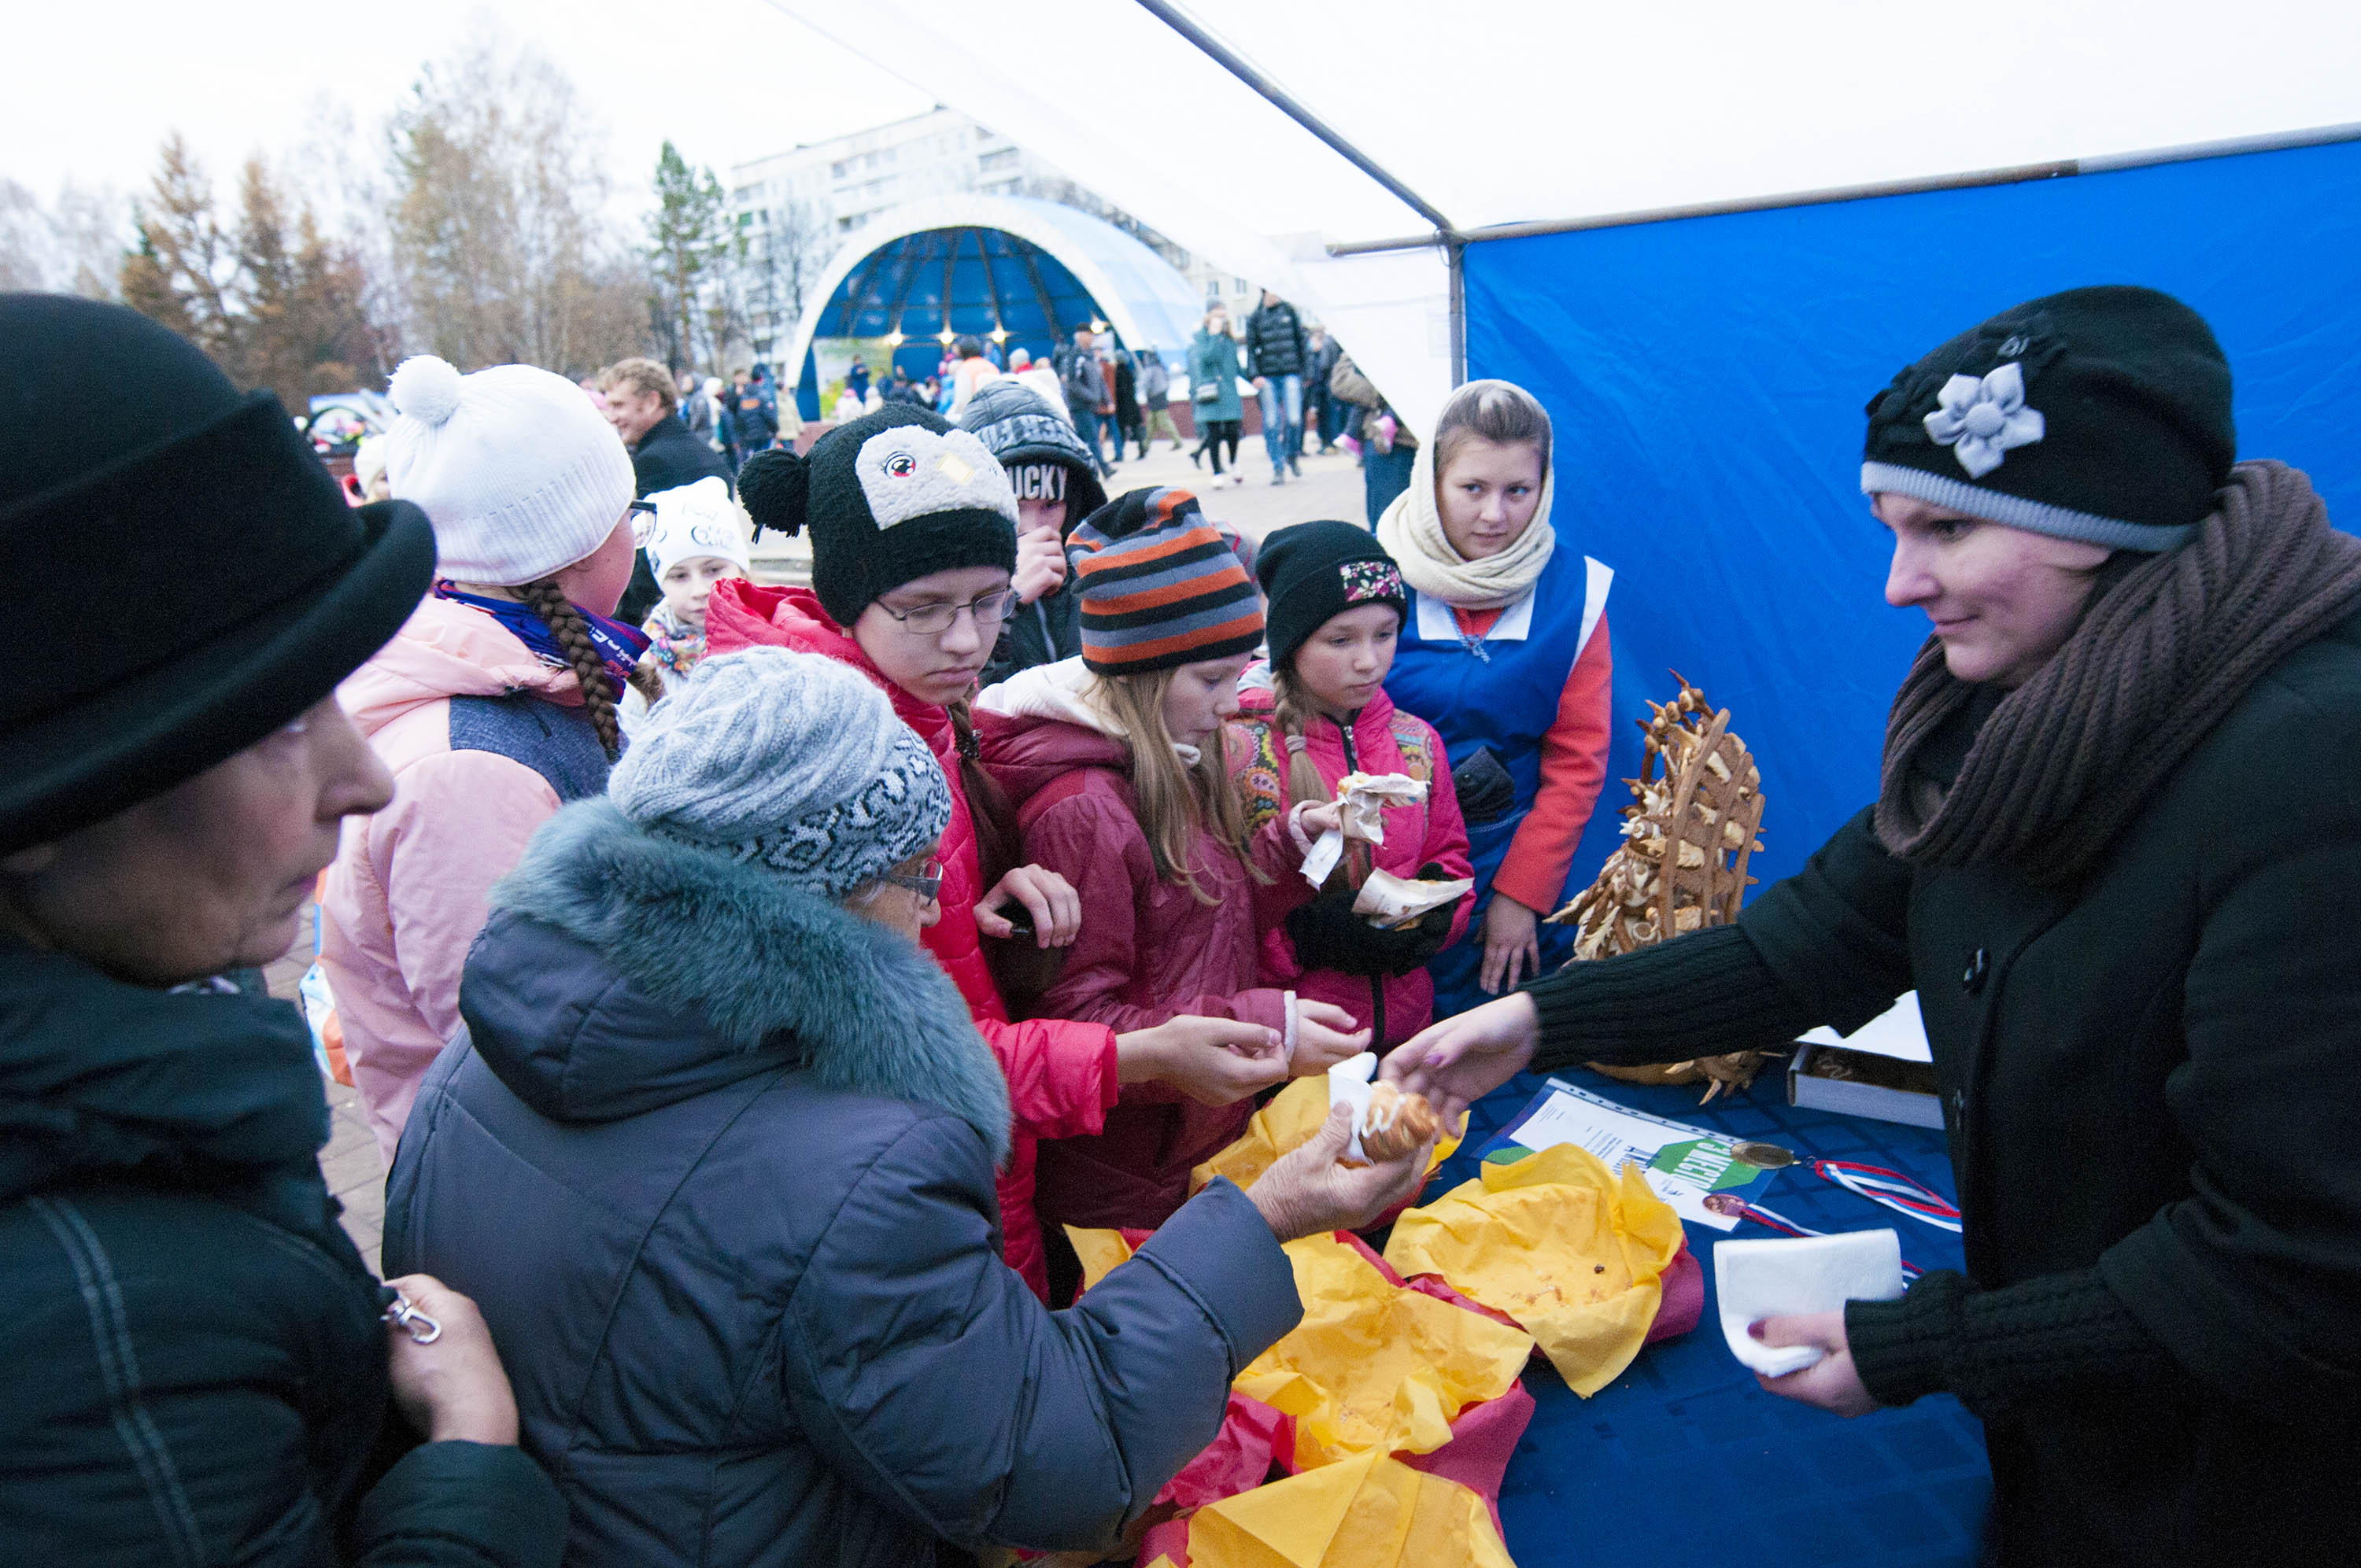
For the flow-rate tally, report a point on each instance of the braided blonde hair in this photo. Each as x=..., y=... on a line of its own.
x=566, y=622
x=1293, y=715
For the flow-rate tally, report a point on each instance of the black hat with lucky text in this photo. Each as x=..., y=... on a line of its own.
x=240, y=586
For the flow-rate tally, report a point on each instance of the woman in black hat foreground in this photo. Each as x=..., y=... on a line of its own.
x=2116, y=853
x=195, y=1365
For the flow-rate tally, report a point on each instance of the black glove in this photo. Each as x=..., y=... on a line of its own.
x=1486, y=791
x=1328, y=935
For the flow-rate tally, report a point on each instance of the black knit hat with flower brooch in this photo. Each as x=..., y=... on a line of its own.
x=2098, y=414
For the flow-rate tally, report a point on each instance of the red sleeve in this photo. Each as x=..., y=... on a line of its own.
x=1272, y=848
x=1061, y=1076
x=1446, y=831
x=1097, y=846
x=1574, y=766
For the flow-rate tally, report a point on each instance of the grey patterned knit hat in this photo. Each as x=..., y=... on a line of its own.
x=790, y=761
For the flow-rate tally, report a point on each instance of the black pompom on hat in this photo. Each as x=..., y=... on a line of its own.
x=2099, y=414
x=890, y=497
x=1313, y=571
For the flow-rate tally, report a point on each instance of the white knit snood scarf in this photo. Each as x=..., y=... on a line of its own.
x=1411, y=531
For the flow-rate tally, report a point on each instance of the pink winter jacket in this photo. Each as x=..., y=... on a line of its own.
x=405, y=896
x=1395, y=1007
x=1148, y=950
x=1061, y=1076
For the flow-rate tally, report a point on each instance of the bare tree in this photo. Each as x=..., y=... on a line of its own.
x=73, y=248
x=497, y=219
x=784, y=254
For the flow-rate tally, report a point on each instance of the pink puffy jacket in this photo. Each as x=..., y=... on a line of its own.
x=1061, y=1076
x=1396, y=1007
x=405, y=896
x=1148, y=950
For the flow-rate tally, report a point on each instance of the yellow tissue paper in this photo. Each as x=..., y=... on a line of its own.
x=1574, y=1252
x=1373, y=1367
x=1100, y=1252
x=1289, y=1119
x=1366, y=1511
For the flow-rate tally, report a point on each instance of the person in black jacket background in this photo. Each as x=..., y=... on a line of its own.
x=196, y=1369
x=664, y=455
x=2114, y=852
x=1277, y=357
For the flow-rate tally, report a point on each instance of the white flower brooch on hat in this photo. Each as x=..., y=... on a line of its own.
x=1979, y=419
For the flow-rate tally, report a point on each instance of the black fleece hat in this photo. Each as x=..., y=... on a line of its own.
x=1027, y=435
x=1316, y=570
x=241, y=587
x=2099, y=414
x=889, y=498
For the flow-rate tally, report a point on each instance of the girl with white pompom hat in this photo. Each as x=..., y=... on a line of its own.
x=495, y=704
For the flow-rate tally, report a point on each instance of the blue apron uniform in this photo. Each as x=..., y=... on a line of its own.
x=1502, y=691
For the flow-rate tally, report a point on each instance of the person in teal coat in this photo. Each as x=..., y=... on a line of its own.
x=1213, y=366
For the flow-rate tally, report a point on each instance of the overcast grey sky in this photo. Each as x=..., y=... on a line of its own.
x=93, y=88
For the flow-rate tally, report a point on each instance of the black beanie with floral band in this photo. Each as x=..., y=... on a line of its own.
x=2099, y=414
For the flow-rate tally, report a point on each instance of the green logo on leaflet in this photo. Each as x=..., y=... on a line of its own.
x=1704, y=1162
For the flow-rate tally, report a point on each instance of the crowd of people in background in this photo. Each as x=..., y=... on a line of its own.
x=747, y=984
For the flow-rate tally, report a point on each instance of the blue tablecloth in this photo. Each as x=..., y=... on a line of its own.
x=1685, y=1459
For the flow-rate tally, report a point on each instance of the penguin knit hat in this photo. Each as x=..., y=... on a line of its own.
x=518, y=472
x=1159, y=586
x=2099, y=414
x=792, y=762
x=1036, y=444
x=889, y=498
x=697, y=520
x=1317, y=570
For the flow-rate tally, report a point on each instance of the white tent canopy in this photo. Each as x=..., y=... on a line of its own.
x=1505, y=111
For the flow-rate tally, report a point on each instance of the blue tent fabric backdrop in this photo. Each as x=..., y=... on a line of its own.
x=1706, y=380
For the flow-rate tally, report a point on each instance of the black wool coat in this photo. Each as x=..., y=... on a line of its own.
x=195, y=1367
x=2151, y=1083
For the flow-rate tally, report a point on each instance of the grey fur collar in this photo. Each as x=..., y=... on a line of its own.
x=755, y=957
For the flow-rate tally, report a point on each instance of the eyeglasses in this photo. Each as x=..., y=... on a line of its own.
x=934, y=619
x=926, y=885
x=642, y=516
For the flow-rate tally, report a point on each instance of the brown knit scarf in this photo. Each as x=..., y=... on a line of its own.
x=2067, y=759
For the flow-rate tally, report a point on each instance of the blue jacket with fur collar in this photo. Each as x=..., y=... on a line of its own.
x=715, y=1159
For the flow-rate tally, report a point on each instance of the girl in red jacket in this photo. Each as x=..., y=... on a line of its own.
x=1336, y=606
x=913, y=529
x=1118, y=763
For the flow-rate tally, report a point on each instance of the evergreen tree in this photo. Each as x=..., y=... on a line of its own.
x=689, y=246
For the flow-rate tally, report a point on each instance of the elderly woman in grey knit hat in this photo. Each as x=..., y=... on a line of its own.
x=716, y=1151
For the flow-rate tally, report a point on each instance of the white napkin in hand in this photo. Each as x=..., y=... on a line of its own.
x=1361, y=801
x=1349, y=1081
x=1759, y=1279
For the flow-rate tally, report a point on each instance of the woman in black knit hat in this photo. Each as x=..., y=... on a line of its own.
x=2113, y=851
x=196, y=1368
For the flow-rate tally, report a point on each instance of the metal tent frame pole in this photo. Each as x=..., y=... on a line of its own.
x=2060, y=168
x=1444, y=234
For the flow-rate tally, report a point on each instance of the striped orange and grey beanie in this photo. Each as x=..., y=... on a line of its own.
x=1159, y=586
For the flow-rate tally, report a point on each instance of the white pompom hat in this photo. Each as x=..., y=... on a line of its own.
x=697, y=520
x=518, y=474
